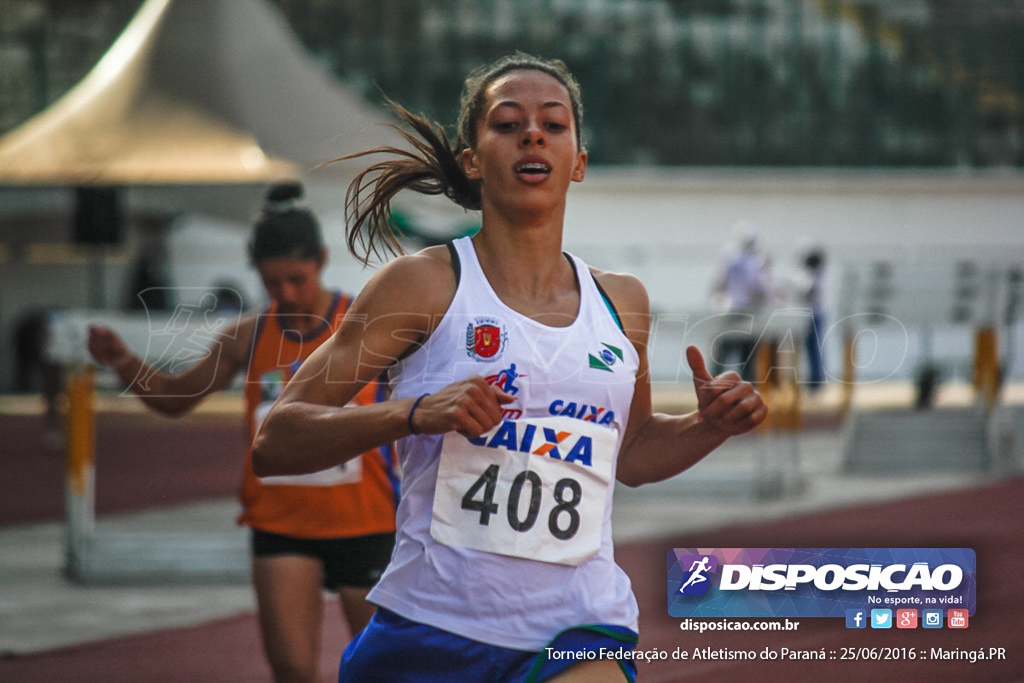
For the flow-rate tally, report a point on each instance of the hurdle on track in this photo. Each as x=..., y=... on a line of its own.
x=94, y=555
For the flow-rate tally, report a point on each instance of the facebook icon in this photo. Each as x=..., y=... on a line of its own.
x=856, y=618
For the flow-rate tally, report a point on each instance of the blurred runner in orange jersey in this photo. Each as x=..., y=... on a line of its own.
x=331, y=529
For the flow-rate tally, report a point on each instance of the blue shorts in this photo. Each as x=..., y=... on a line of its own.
x=393, y=649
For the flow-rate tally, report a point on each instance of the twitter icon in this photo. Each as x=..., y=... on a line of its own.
x=881, y=618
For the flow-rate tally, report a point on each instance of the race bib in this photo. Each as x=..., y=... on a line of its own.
x=350, y=472
x=530, y=488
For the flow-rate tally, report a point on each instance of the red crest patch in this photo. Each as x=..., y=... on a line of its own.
x=485, y=340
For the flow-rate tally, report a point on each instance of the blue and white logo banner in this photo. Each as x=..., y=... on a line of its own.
x=817, y=582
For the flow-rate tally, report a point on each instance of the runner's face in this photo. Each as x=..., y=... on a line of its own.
x=292, y=282
x=526, y=151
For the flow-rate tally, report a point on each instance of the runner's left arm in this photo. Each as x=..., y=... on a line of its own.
x=657, y=446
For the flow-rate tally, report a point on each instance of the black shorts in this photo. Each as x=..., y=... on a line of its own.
x=355, y=562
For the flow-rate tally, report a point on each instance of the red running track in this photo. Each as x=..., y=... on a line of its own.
x=142, y=461
x=988, y=519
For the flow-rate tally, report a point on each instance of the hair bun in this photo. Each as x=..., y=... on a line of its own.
x=283, y=192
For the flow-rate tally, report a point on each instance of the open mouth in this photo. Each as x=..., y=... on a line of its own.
x=533, y=169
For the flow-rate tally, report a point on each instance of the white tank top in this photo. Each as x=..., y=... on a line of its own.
x=513, y=543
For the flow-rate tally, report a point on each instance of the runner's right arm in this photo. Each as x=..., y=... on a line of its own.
x=309, y=429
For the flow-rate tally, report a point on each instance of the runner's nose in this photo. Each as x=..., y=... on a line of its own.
x=534, y=134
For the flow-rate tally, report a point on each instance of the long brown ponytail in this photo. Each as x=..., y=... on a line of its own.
x=432, y=167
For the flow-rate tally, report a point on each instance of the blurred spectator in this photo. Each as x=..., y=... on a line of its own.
x=740, y=293
x=814, y=299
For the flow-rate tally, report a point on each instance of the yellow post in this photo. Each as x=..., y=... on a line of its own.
x=794, y=396
x=776, y=379
x=849, y=373
x=764, y=380
x=986, y=366
x=79, y=470
x=81, y=431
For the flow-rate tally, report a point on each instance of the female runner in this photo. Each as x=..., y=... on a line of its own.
x=520, y=393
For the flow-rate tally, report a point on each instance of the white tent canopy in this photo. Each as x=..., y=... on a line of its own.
x=197, y=106
x=194, y=92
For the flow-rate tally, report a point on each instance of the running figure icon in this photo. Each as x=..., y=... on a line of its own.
x=696, y=570
x=505, y=379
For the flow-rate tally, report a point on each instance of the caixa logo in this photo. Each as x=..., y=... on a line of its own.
x=525, y=437
x=582, y=411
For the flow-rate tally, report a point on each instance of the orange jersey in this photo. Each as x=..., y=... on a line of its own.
x=356, y=498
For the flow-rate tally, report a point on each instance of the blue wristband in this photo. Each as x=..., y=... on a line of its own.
x=412, y=430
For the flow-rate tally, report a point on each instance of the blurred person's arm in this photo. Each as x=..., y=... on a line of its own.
x=175, y=394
